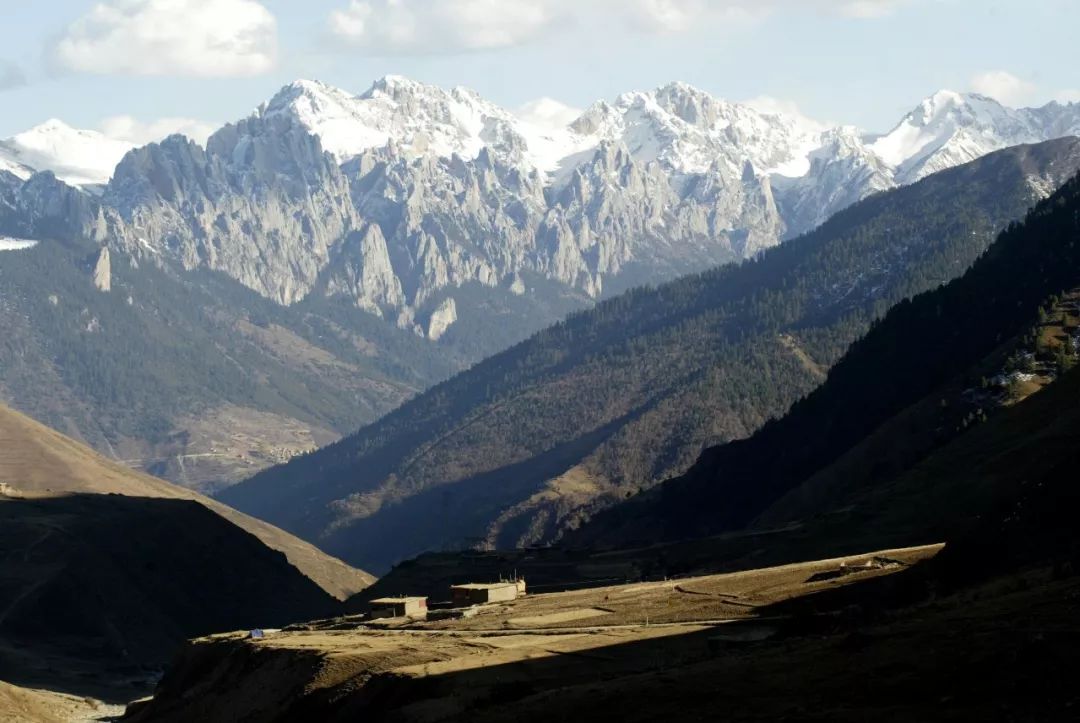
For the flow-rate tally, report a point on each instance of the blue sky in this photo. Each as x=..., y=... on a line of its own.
x=161, y=64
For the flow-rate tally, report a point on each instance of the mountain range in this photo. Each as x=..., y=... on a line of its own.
x=530, y=443
x=952, y=419
x=396, y=197
x=397, y=237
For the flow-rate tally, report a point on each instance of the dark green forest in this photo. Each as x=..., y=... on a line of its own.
x=922, y=344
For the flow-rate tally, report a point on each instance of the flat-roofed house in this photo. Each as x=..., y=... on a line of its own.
x=399, y=607
x=477, y=593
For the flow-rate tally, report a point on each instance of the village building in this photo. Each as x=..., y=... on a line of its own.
x=399, y=607
x=482, y=593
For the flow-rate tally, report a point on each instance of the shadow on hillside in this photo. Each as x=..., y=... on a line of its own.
x=452, y=512
x=99, y=590
x=875, y=650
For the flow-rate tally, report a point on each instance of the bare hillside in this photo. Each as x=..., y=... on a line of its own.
x=36, y=460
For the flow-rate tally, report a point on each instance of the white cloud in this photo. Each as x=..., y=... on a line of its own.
x=673, y=16
x=548, y=113
x=1067, y=96
x=1003, y=87
x=132, y=130
x=11, y=75
x=868, y=8
x=204, y=38
x=428, y=26
x=386, y=27
x=667, y=16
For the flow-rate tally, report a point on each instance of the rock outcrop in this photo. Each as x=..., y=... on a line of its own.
x=102, y=272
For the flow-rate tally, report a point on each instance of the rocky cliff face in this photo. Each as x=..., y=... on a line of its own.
x=43, y=207
x=263, y=203
x=398, y=196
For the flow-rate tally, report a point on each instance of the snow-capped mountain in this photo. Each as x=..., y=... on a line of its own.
x=680, y=126
x=77, y=157
x=398, y=197
x=949, y=128
x=422, y=119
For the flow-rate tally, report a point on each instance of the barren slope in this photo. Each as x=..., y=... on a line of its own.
x=428, y=671
x=37, y=460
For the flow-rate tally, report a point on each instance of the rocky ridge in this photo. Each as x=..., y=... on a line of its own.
x=396, y=197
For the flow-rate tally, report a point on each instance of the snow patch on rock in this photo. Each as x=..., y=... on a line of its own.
x=16, y=244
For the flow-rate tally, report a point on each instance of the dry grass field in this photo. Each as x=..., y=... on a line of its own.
x=437, y=670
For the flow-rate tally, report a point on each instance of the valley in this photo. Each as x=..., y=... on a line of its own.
x=524, y=447
x=353, y=250
x=106, y=570
x=644, y=360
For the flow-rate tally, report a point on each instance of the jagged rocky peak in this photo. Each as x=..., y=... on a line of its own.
x=168, y=170
x=690, y=104
x=272, y=150
x=397, y=86
x=392, y=196
x=950, y=128
x=417, y=118
x=687, y=129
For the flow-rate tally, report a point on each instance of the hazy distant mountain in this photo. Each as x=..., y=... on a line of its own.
x=79, y=157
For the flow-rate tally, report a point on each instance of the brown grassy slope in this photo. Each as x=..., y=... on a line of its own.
x=447, y=670
x=26, y=705
x=38, y=460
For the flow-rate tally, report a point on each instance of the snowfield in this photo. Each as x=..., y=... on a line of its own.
x=15, y=244
x=76, y=157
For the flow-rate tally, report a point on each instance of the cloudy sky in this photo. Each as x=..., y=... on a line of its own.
x=139, y=69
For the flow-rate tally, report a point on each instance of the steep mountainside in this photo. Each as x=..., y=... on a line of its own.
x=190, y=376
x=896, y=372
x=106, y=571
x=36, y=461
x=527, y=443
x=84, y=605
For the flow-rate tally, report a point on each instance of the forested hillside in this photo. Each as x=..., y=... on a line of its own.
x=192, y=377
x=593, y=410
x=938, y=338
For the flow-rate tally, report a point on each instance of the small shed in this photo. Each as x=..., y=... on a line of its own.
x=399, y=607
x=476, y=593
